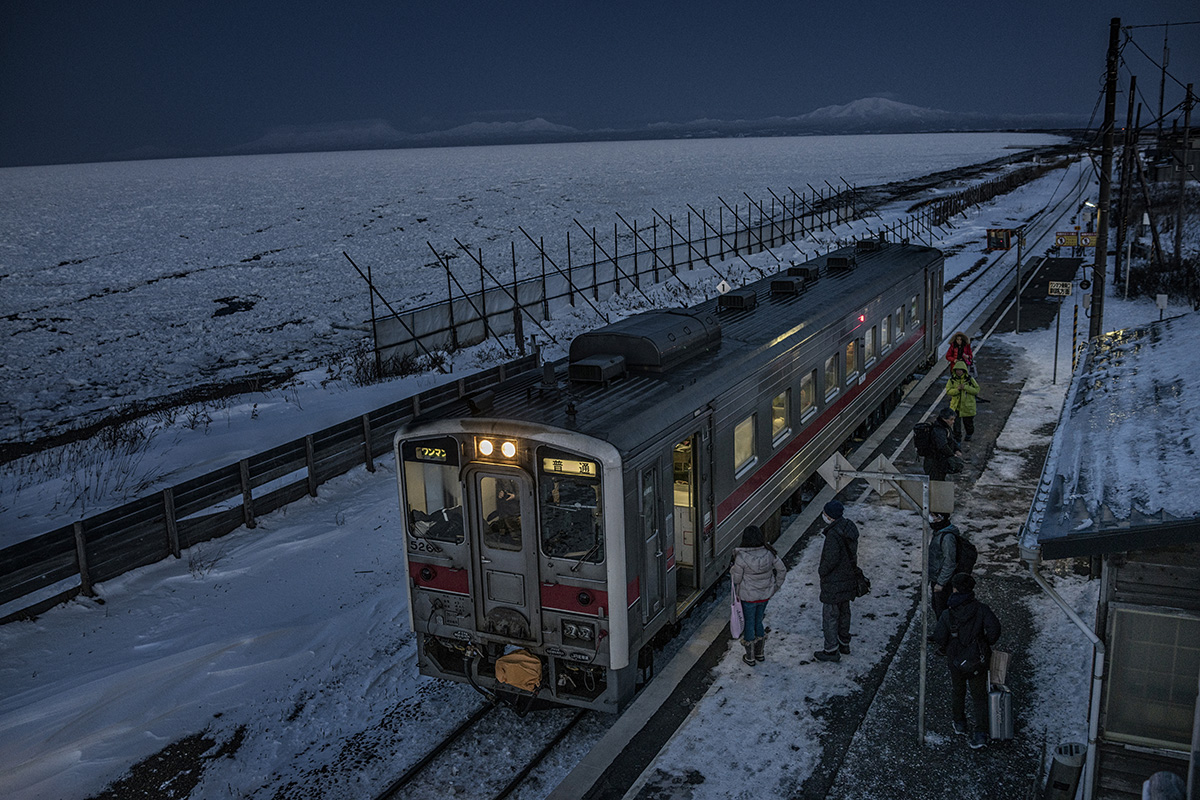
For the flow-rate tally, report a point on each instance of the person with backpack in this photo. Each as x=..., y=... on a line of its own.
x=966, y=631
x=839, y=581
x=943, y=560
x=962, y=390
x=940, y=447
x=757, y=574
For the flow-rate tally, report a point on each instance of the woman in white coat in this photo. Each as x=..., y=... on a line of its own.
x=757, y=573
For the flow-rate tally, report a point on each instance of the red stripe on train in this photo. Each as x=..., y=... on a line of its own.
x=768, y=470
x=561, y=597
x=443, y=579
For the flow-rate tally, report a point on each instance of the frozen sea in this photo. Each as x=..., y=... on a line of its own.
x=126, y=282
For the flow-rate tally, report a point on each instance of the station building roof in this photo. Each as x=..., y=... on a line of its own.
x=1123, y=471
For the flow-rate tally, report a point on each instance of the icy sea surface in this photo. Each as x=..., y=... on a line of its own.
x=131, y=281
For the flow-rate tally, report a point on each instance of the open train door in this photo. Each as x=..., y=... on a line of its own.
x=692, y=512
x=504, y=545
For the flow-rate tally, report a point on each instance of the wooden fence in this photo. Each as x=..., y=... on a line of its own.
x=151, y=528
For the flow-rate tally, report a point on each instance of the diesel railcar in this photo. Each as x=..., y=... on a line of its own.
x=577, y=514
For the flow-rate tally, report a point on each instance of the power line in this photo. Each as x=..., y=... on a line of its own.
x=1165, y=71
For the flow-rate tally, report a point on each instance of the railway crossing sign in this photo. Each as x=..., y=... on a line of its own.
x=837, y=471
x=1059, y=289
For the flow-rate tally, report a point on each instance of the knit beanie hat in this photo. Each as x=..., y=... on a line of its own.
x=834, y=509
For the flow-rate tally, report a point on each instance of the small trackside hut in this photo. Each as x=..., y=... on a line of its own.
x=1120, y=489
x=577, y=516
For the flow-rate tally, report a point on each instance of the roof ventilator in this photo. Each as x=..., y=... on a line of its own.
x=738, y=300
x=809, y=274
x=481, y=402
x=841, y=262
x=871, y=245
x=597, y=369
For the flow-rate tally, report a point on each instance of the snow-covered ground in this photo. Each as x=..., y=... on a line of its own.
x=295, y=632
x=124, y=282
x=113, y=272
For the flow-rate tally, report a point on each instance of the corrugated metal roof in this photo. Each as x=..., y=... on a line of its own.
x=1122, y=472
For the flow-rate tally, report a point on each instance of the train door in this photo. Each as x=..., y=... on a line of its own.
x=504, y=541
x=653, y=531
x=685, y=489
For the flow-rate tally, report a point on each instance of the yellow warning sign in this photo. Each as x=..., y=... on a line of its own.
x=1087, y=240
x=1066, y=239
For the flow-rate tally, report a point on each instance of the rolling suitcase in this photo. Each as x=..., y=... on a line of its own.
x=1000, y=714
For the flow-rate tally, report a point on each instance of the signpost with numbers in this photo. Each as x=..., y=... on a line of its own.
x=1059, y=289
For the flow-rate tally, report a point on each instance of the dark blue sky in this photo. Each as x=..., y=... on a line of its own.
x=97, y=80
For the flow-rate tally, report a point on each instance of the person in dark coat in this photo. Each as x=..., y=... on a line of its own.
x=839, y=557
x=967, y=630
x=945, y=446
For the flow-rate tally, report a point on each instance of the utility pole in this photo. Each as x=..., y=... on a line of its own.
x=1183, y=155
x=1126, y=170
x=1162, y=81
x=1106, y=158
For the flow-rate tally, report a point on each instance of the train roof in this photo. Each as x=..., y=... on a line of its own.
x=676, y=360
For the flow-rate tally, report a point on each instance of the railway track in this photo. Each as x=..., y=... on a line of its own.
x=479, y=758
x=1044, y=222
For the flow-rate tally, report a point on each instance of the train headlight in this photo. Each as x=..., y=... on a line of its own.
x=486, y=447
x=508, y=449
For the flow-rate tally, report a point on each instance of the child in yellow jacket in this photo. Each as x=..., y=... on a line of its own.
x=962, y=390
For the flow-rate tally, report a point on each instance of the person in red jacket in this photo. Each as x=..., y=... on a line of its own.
x=960, y=350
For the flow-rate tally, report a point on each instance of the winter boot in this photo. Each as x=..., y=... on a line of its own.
x=827, y=655
x=759, y=646
x=749, y=657
x=843, y=647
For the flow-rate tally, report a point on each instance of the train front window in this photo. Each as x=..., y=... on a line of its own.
x=433, y=490
x=569, y=507
x=501, y=506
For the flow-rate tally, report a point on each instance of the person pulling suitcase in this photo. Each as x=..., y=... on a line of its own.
x=966, y=631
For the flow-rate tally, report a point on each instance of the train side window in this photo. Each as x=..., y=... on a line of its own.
x=781, y=416
x=831, y=377
x=852, y=361
x=808, y=395
x=899, y=322
x=914, y=311
x=569, y=507
x=885, y=334
x=869, y=349
x=743, y=446
x=433, y=491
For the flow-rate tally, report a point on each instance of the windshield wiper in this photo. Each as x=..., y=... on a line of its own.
x=595, y=549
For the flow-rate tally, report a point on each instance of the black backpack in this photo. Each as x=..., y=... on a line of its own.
x=971, y=657
x=923, y=439
x=965, y=553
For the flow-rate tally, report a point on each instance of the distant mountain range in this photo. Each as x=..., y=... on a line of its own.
x=868, y=115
